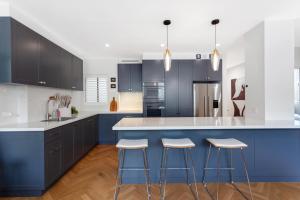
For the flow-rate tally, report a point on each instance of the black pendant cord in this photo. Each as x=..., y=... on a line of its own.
x=167, y=37
x=215, y=36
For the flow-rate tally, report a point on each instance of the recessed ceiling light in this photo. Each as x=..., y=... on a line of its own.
x=162, y=45
x=218, y=44
x=107, y=45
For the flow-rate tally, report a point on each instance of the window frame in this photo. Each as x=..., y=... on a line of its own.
x=85, y=89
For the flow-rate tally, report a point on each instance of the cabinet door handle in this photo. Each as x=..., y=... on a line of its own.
x=40, y=82
x=73, y=87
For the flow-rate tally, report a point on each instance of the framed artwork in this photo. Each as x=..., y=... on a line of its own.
x=113, y=79
x=113, y=86
x=238, y=90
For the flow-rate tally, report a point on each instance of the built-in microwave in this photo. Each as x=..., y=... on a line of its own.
x=154, y=99
x=154, y=91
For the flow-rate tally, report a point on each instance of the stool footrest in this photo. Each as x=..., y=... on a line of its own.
x=224, y=168
x=134, y=169
x=176, y=168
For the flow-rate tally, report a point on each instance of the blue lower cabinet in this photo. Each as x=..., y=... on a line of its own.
x=32, y=161
x=105, y=124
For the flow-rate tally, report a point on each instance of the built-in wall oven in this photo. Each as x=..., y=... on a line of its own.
x=154, y=99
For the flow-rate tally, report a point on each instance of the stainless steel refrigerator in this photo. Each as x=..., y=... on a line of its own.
x=207, y=99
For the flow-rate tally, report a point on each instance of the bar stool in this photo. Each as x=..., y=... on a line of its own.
x=185, y=144
x=229, y=144
x=123, y=145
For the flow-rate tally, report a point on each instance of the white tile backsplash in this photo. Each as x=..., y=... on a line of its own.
x=130, y=101
x=20, y=103
x=13, y=104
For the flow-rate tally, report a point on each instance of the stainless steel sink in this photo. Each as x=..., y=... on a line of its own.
x=56, y=120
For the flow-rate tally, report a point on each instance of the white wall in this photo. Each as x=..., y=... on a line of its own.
x=254, y=72
x=233, y=68
x=279, y=69
x=269, y=50
x=297, y=57
x=4, y=9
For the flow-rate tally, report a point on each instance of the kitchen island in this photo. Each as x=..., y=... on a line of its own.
x=272, y=154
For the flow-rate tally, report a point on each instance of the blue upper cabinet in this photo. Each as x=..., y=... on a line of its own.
x=29, y=58
x=124, y=78
x=153, y=71
x=202, y=71
x=129, y=77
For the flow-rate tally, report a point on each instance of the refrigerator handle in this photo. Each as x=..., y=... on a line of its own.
x=208, y=108
x=205, y=106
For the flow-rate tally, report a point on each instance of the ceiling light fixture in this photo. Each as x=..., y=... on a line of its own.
x=167, y=53
x=215, y=55
x=162, y=45
x=107, y=45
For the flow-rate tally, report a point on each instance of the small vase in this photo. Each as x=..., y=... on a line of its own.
x=113, y=105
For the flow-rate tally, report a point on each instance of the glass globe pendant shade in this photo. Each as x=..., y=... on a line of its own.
x=215, y=60
x=167, y=60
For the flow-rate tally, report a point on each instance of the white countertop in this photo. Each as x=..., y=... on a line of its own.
x=190, y=123
x=43, y=126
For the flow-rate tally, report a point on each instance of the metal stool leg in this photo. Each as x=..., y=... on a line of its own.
x=120, y=173
x=194, y=174
x=246, y=172
x=165, y=174
x=218, y=171
x=146, y=170
x=206, y=166
x=162, y=171
x=186, y=166
x=231, y=167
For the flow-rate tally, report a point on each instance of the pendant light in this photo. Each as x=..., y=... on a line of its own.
x=167, y=53
x=215, y=55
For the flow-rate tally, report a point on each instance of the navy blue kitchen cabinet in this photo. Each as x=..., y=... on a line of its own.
x=29, y=58
x=171, y=90
x=68, y=154
x=124, y=78
x=106, y=122
x=49, y=67
x=200, y=69
x=25, y=56
x=185, y=88
x=32, y=161
x=136, y=77
x=90, y=133
x=53, y=156
x=129, y=77
x=78, y=130
x=203, y=72
x=106, y=134
x=153, y=71
x=179, y=86
x=77, y=74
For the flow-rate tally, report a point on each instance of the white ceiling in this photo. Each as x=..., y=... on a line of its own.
x=132, y=27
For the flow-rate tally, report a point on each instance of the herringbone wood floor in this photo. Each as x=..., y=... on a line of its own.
x=93, y=178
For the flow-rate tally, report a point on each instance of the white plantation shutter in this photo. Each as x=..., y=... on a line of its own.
x=102, y=90
x=96, y=90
